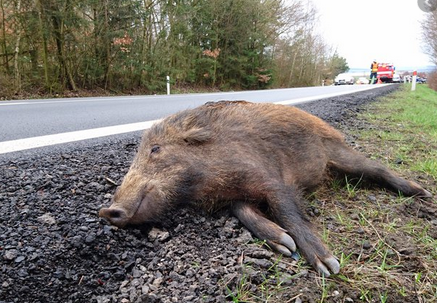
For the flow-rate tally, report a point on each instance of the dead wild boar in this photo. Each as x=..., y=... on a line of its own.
x=257, y=159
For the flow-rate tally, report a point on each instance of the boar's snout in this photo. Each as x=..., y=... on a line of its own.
x=135, y=202
x=115, y=216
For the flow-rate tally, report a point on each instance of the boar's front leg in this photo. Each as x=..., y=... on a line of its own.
x=283, y=204
x=274, y=235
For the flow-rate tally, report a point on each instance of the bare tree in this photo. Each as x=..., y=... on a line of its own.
x=429, y=35
x=4, y=52
x=18, y=33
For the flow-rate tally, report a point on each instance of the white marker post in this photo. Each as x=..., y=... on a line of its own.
x=413, y=84
x=168, y=85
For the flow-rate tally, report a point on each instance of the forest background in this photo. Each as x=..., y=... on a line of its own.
x=55, y=47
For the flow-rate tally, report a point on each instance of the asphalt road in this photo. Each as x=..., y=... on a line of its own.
x=28, y=124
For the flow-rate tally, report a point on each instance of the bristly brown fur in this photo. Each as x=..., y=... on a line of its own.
x=253, y=158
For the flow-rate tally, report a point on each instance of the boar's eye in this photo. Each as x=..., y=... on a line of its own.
x=155, y=149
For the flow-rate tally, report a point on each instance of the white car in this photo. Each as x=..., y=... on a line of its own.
x=344, y=79
x=396, y=78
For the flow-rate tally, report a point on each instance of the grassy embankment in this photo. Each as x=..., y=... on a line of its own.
x=406, y=124
x=397, y=235
x=386, y=243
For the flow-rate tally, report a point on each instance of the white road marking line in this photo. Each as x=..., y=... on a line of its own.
x=313, y=98
x=48, y=140
x=41, y=141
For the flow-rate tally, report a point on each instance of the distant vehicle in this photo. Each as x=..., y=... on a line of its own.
x=420, y=80
x=407, y=79
x=362, y=80
x=344, y=79
x=396, y=78
x=386, y=72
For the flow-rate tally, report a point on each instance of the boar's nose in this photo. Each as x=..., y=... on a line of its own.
x=116, y=216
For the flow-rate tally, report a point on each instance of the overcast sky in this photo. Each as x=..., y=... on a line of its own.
x=385, y=30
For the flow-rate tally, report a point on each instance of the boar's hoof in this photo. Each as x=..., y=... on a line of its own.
x=331, y=263
x=426, y=194
x=285, y=245
x=115, y=216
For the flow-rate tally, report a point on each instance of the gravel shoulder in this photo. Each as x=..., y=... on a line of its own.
x=54, y=248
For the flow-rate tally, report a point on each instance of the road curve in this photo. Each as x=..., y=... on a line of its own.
x=28, y=124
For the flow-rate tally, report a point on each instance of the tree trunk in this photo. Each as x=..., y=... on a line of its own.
x=290, y=77
x=18, y=32
x=4, y=46
x=45, y=49
x=66, y=75
x=107, y=46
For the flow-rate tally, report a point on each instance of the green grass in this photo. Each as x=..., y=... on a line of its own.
x=407, y=126
x=414, y=108
x=403, y=135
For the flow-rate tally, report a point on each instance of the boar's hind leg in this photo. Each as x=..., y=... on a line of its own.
x=350, y=162
x=283, y=204
x=275, y=236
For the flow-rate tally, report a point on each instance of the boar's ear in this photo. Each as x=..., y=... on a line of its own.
x=197, y=135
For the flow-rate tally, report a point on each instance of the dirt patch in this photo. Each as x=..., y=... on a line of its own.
x=54, y=248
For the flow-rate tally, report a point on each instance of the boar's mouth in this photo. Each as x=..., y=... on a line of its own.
x=141, y=212
x=138, y=216
x=117, y=215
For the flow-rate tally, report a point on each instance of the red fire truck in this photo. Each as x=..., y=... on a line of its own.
x=386, y=72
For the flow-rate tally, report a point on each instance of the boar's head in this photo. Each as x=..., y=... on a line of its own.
x=165, y=172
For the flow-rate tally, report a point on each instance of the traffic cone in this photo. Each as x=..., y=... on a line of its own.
x=379, y=81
